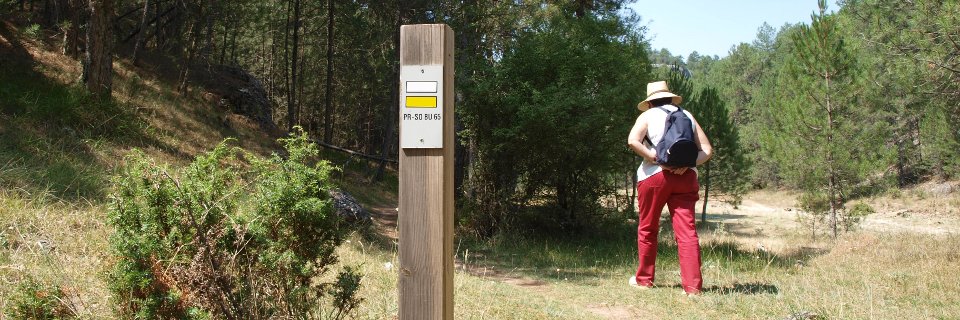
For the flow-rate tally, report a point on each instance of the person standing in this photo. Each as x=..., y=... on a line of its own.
x=660, y=184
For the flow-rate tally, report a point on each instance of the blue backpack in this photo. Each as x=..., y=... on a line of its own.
x=677, y=147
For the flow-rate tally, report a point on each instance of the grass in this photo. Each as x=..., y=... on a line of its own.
x=475, y=298
x=57, y=242
x=356, y=178
x=860, y=276
x=53, y=135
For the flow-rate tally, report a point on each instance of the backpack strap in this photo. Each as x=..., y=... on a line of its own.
x=646, y=138
x=679, y=109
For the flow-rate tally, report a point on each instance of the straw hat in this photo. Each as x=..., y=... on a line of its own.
x=657, y=90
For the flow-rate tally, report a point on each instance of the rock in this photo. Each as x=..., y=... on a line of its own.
x=240, y=92
x=942, y=189
x=348, y=207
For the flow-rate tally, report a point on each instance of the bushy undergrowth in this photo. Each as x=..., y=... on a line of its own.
x=35, y=300
x=816, y=211
x=230, y=236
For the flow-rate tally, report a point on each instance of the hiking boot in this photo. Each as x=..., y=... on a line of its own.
x=693, y=295
x=633, y=283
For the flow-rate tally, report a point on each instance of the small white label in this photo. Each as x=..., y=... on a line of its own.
x=421, y=106
x=421, y=86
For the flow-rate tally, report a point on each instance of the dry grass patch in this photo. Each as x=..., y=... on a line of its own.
x=58, y=243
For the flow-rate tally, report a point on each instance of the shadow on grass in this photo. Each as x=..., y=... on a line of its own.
x=752, y=288
x=610, y=246
x=744, y=288
x=370, y=234
x=50, y=133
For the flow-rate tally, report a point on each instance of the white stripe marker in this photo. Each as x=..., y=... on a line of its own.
x=422, y=86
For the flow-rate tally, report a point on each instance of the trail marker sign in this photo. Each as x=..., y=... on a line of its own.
x=421, y=99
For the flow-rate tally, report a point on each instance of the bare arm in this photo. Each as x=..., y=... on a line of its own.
x=635, y=141
x=706, y=150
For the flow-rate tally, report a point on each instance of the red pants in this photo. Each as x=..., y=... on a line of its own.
x=679, y=193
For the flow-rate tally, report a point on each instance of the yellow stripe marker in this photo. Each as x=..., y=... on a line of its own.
x=421, y=102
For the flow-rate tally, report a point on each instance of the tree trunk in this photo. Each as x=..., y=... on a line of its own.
x=562, y=197
x=632, y=187
x=223, y=44
x=272, y=64
x=138, y=44
x=195, y=34
x=286, y=70
x=706, y=193
x=899, y=137
x=233, y=47
x=294, y=59
x=471, y=178
x=582, y=7
x=53, y=12
x=393, y=108
x=328, y=110
x=208, y=35
x=459, y=162
x=98, y=68
x=71, y=36
x=832, y=174
x=157, y=27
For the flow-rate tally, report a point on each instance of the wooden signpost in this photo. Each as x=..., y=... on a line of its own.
x=426, y=172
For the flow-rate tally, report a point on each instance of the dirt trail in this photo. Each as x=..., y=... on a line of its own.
x=385, y=220
x=912, y=221
x=762, y=220
x=769, y=220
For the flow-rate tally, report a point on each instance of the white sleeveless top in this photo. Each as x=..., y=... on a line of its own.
x=656, y=119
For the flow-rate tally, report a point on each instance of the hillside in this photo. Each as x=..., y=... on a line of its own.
x=59, y=149
x=49, y=122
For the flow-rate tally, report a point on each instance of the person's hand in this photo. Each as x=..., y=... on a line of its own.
x=652, y=159
x=676, y=171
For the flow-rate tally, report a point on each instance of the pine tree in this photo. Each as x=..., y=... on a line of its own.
x=727, y=170
x=820, y=131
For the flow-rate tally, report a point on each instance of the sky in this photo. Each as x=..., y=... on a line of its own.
x=711, y=27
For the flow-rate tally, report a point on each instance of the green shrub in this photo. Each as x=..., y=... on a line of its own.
x=32, y=31
x=230, y=236
x=861, y=209
x=4, y=243
x=815, y=206
x=34, y=300
x=855, y=214
x=344, y=293
x=814, y=202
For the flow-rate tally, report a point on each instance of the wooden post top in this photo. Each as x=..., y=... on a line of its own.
x=424, y=44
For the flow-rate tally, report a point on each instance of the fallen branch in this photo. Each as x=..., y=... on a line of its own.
x=351, y=152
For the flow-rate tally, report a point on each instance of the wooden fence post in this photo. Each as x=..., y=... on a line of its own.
x=426, y=172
